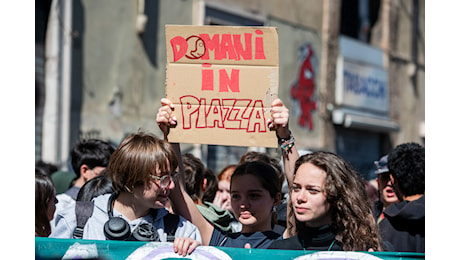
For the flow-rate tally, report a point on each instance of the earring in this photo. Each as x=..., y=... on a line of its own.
x=274, y=209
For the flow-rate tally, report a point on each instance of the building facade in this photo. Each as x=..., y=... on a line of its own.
x=351, y=72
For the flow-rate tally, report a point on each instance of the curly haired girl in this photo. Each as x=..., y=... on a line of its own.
x=328, y=202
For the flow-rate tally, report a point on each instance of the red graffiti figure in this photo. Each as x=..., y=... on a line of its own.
x=304, y=88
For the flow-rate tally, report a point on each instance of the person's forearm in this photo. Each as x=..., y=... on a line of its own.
x=290, y=157
x=183, y=204
x=289, y=160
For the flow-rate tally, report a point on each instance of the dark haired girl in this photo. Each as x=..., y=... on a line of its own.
x=45, y=203
x=254, y=189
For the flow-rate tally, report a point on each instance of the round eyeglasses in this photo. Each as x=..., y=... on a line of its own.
x=165, y=180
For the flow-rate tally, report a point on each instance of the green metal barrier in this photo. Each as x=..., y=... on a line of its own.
x=52, y=248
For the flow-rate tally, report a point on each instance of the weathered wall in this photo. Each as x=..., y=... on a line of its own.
x=124, y=73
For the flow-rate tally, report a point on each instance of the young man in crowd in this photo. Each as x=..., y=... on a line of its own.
x=403, y=224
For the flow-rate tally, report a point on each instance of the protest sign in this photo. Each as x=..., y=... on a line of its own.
x=222, y=80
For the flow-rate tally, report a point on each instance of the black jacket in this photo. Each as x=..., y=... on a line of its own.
x=404, y=225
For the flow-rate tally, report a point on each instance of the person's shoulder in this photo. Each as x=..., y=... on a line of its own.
x=101, y=202
x=394, y=209
x=63, y=198
x=417, y=205
x=287, y=243
x=217, y=235
x=278, y=229
x=284, y=243
x=406, y=209
x=64, y=215
x=64, y=203
x=273, y=235
x=420, y=201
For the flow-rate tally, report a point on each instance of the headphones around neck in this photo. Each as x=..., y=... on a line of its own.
x=116, y=228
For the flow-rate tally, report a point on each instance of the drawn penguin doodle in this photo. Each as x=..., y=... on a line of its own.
x=303, y=88
x=196, y=47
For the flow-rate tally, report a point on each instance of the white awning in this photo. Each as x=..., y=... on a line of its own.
x=371, y=122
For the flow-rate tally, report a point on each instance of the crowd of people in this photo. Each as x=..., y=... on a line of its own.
x=145, y=189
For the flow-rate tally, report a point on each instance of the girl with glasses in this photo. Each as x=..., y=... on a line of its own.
x=141, y=170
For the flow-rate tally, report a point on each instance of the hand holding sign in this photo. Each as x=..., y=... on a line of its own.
x=165, y=117
x=279, y=118
x=185, y=246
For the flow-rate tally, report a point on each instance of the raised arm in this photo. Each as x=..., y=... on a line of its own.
x=280, y=122
x=181, y=202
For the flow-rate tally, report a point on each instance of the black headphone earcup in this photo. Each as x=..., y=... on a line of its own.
x=117, y=229
x=145, y=232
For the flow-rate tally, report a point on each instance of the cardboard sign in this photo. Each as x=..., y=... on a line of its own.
x=222, y=80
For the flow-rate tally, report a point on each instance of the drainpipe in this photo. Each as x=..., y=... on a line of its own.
x=56, y=115
x=415, y=28
x=198, y=16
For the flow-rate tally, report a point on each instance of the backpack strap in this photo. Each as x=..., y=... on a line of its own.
x=171, y=221
x=83, y=211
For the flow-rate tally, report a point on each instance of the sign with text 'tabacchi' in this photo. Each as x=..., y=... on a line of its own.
x=222, y=80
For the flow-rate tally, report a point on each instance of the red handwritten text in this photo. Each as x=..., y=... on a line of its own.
x=226, y=82
x=236, y=114
x=224, y=46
